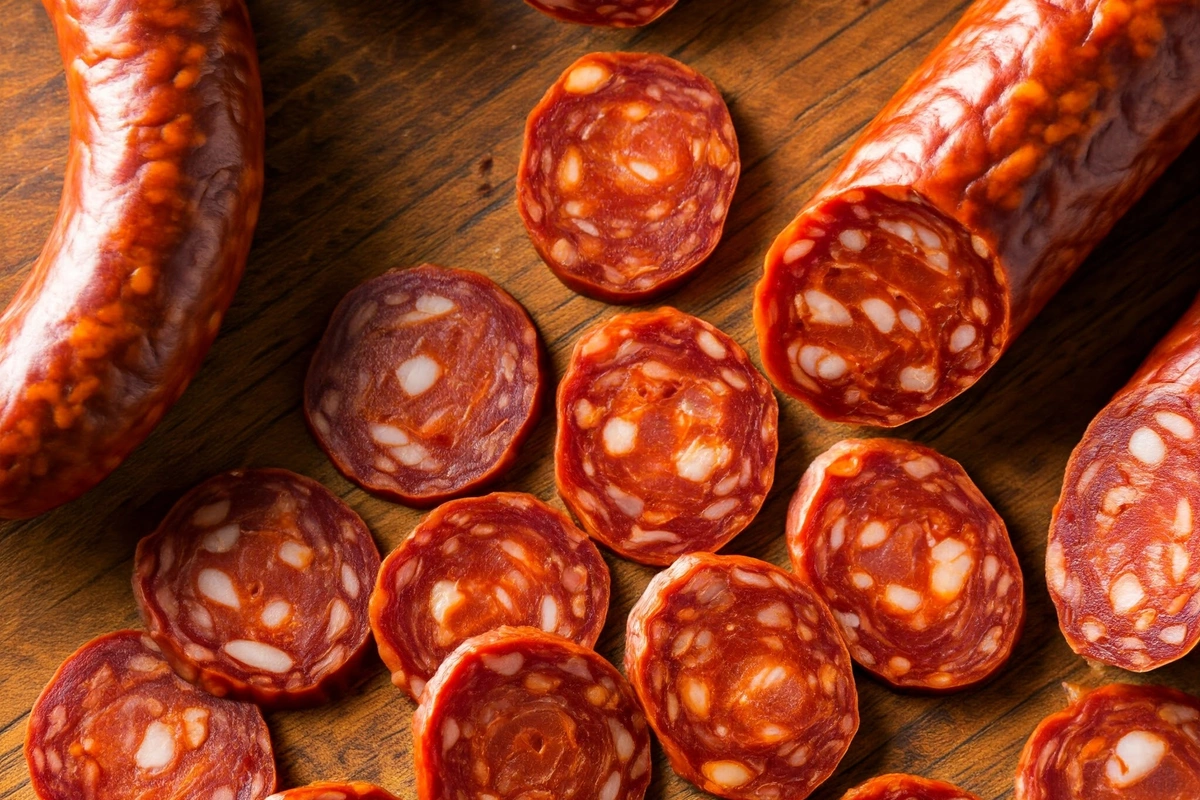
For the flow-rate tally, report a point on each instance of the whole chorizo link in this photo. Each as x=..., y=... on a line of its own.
x=972, y=197
x=162, y=189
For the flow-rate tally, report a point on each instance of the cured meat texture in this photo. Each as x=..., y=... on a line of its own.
x=256, y=585
x=481, y=563
x=914, y=562
x=972, y=197
x=667, y=435
x=332, y=790
x=115, y=721
x=743, y=677
x=517, y=713
x=611, y=13
x=160, y=198
x=1122, y=563
x=425, y=384
x=1119, y=742
x=627, y=171
x=906, y=787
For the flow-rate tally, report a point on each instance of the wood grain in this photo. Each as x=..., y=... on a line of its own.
x=393, y=137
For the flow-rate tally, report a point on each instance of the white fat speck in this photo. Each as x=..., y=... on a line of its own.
x=611, y=787
x=929, y=239
x=218, y=587
x=222, y=539
x=962, y=338
x=1179, y=562
x=275, y=612
x=917, y=379
x=339, y=619
x=837, y=534
x=831, y=367
x=350, y=582
x=727, y=774
x=629, y=504
x=444, y=597
x=1176, y=424
x=210, y=515
x=639, y=536
x=951, y=569
x=1173, y=634
x=824, y=309
x=620, y=436
x=697, y=461
x=872, y=534
x=1126, y=593
x=861, y=580
x=417, y=685
x=295, y=554
x=711, y=345
x=1147, y=446
x=1136, y=755
x=587, y=227
x=1182, y=526
x=387, y=435
x=410, y=455
x=719, y=509
x=585, y=79
x=853, y=240
x=508, y=664
x=157, y=749
x=258, y=655
x=564, y=252
x=902, y=598
x=797, y=250
x=434, y=305
x=644, y=170
x=549, y=614
x=195, y=726
x=910, y=320
x=880, y=312
x=776, y=615
x=450, y=734
x=901, y=229
x=921, y=468
x=418, y=374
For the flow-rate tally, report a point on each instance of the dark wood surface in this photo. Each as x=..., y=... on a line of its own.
x=393, y=134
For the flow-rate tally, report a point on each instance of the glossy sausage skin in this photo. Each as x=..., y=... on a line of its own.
x=1122, y=558
x=972, y=197
x=160, y=199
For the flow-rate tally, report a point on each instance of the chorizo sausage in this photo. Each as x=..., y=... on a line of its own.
x=1122, y=563
x=256, y=586
x=425, y=384
x=1118, y=742
x=667, y=435
x=477, y=564
x=914, y=562
x=743, y=676
x=332, y=790
x=628, y=167
x=115, y=721
x=520, y=713
x=610, y=13
x=161, y=195
x=972, y=197
x=906, y=787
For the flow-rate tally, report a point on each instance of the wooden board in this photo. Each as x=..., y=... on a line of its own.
x=394, y=130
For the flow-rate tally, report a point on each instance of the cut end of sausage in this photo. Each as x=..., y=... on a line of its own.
x=1122, y=562
x=877, y=309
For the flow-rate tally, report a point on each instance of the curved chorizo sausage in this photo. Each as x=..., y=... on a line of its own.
x=1122, y=561
x=972, y=197
x=162, y=190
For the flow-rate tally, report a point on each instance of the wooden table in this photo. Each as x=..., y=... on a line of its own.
x=393, y=134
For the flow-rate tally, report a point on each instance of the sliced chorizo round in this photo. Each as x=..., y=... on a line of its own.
x=743, y=676
x=906, y=787
x=519, y=713
x=667, y=435
x=480, y=563
x=912, y=559
x=116, y=721
x=256, y=585
x=608, y=13
x=1122, y=557
x=1118, y=742
x=425, y=384
x=335, y=790
x=628, y=167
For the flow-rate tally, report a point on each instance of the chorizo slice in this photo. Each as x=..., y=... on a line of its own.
x=334, y=790
x=971, y=198
x=1118, y=742
x=743, y=676
x=518, y=713
x=609, y=13
x=163, y=184
x=1122, y=563
x=914, y=562
x=628, y=167
x=906, y=787
x=477, y=564
x=667, y=435
x=116, y=721
x=425, y=384
x=256, y=585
